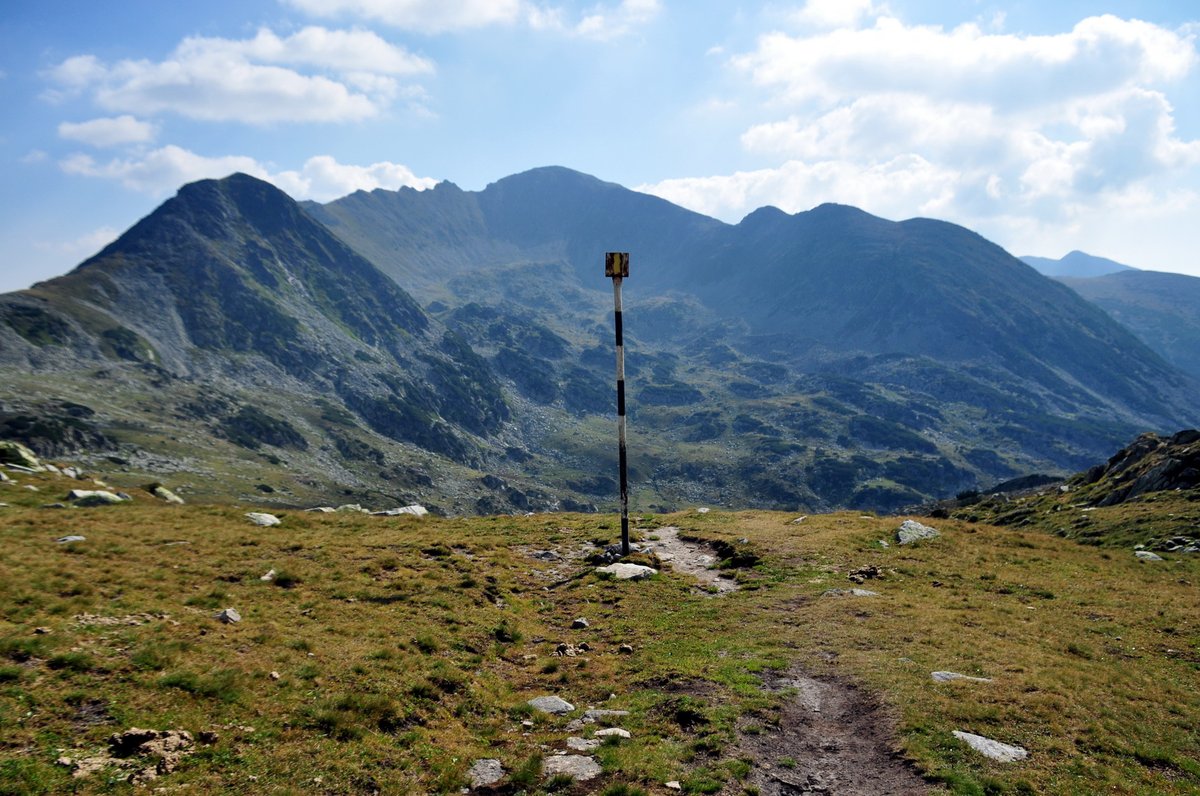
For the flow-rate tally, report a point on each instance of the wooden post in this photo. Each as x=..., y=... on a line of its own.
x=616, y=265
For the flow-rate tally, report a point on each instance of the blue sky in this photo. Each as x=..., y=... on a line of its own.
x=1044, y=126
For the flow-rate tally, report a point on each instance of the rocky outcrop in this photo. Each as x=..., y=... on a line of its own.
x=1149, y=464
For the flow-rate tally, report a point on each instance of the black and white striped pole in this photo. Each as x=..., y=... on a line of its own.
x=616, y=265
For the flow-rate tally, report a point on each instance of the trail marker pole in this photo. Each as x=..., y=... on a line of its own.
x=616, y=265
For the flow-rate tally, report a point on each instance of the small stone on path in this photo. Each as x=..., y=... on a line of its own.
x=946, y=677
x=912, y=531
x=627, y=571
x=577, y=767
x=260, y=518
x=485, y=772
x=995, y=750
x=551, y=704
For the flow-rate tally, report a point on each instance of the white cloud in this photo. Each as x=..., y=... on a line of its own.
x=35, y=156
x=602, y=22
x=83, y=246
x=1100, y=54
x=108, y=132
x=248, y=80
x=834, y=13
x=321, y=178
x=426, y=16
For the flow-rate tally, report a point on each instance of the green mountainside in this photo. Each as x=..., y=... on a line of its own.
x=1162, y=309
x=810, y=361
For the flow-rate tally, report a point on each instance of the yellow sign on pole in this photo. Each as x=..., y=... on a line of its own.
x=616, y=264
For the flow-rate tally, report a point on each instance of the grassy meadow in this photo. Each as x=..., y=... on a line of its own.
x=388, y=654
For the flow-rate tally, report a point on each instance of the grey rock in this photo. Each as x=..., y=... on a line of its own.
x=946, y=677
x=322, y=509
x=161, y=492
x=51, y=505
x=94, y=497
x=551, y=704
x=627, y=571
x=4, y=479
x=18, y=454
x=577, y=767
x=260, y=518
x=229, y=616
x=414, y=510
x=583, y=744
x=71, y=538
x=612, y=732
x=625, y=649
x=995, y=750
x=485, y=772
x=600, y=714
x=850, y=593
x=579, y=623
x=352, y=508
x=269, y=576
x=1146, y=555
x=912, y=531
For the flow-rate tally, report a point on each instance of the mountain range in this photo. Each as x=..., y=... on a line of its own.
x=455, y=348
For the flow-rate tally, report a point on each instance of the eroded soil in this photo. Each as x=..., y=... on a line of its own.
x=693, y=558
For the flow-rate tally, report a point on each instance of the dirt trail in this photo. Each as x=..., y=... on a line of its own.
x=694, y=558
x=832, y=739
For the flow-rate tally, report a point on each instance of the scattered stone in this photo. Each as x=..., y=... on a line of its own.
x=570, y=650
x=54, y=505
x=599, y=714
x=50, y=468
x=72, y=472
x=545, y=555
x=583, y=744
x=94, y=497
x=850, y=593
x=270, y=576
x=995, y=750
x=625, y=649
x=167, y=747
x=208, y=737
x=884, y=543
x=1146, y=555
x=673, y=785
x=161, y=492
x=797, y=521
x=229, y=616
x=612, y=732
x=4, y=479
x=579, y=623
x=32, y=488
x=864, y=573
x=42, y=631
x=275, y=676
x=15, y=453
x=627, y=571
x=702, y=510
x=415, y=510
x=912, y=531
x=351, y=508
x=577, y=767
x=322, y=509
x=71, y=538
x=485, y=772
x=551, y=704
x=265, y=520
x=945, y=677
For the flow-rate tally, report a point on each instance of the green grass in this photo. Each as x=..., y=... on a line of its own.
x=404, y=650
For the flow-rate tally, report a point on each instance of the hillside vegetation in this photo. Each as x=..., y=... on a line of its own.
x=386, y=655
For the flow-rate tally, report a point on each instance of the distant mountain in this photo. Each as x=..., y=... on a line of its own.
x=808, y=361
x=1162, y=309
x=1076, y=264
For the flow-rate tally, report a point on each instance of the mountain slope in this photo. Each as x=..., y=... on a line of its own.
x=1162, y=309
x=250, y=319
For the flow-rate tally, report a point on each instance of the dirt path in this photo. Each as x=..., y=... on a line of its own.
x=832, y=739
x=694, y=558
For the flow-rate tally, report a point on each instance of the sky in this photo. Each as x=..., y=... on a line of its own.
x=1044, y=126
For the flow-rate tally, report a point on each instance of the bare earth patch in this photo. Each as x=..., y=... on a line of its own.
x=693, y=558
x=832, y=738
